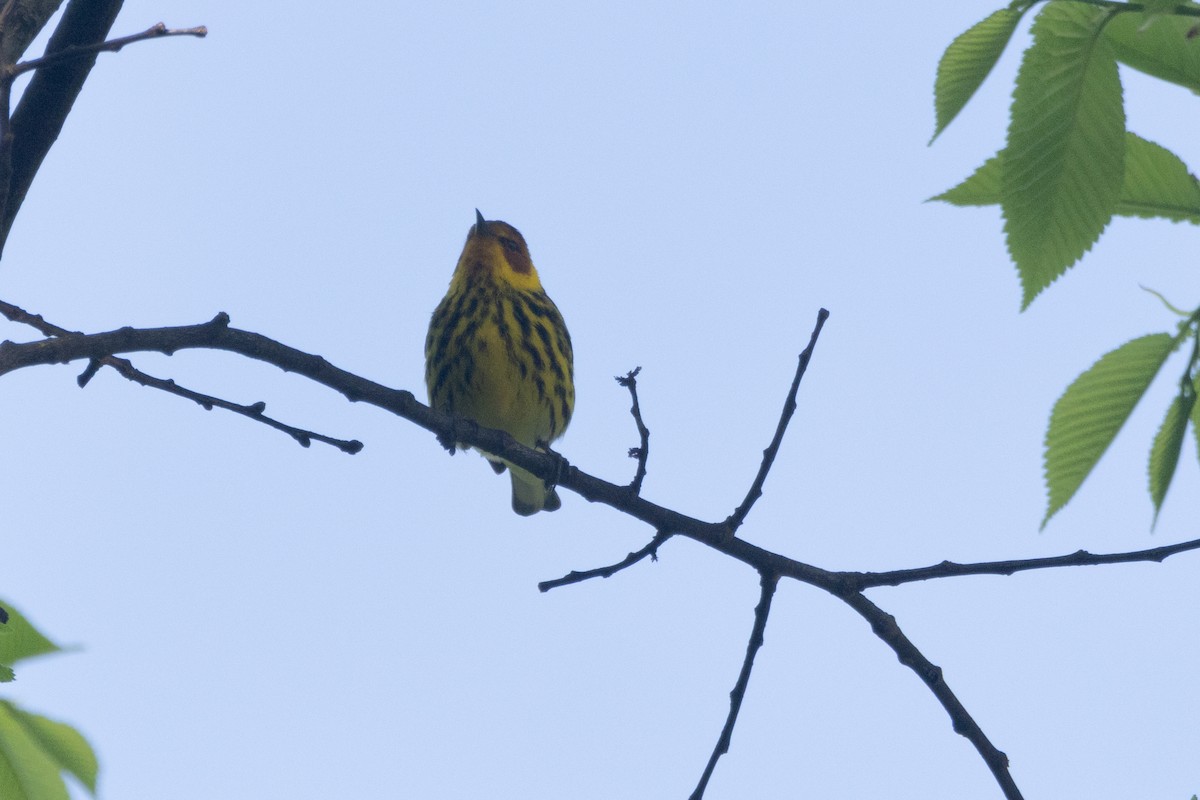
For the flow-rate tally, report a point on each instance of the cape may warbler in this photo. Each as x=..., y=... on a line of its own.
x=498, y=352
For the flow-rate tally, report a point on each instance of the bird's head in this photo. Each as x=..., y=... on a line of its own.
x=496, y=251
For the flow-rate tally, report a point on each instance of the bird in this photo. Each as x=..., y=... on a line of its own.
x=498, y=352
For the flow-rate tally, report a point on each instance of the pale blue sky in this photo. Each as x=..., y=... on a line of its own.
x=695, y=181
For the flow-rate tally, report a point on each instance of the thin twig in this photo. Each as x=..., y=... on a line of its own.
x=126, y=369
x=885, y=627
x=641, y=452
x=789, y=408
x=156, y=31
x=768, y=581
x=579, y=576
x=949, y=569
x=253, y=411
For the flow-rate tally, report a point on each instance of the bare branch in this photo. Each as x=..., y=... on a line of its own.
x=126, y=369
x=217, y=334
x=253, y=411
x=885, y=627
x=575, y=576
x=789, y=408
x=641, y=452
x=949, y=569
x=36, y=321
x=156, y=31
x=768, y=581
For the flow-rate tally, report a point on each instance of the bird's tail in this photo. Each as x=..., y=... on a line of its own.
x=530, y=494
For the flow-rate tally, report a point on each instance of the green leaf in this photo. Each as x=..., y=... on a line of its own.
x=1087, y=417
x=1158, y=44
x=64, y=745
x=967, y=62
x=1156, y=184
x=7, y=676
x=1196, y=417
x=982, y=188
x=1168, y=442
x=20, y=640
x=27, y=772
x=1154, y=10
x=1065, y=158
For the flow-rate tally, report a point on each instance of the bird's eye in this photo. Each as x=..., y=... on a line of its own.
x=509, y=244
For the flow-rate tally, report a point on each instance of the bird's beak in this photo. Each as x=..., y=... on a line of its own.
x=480, y=224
